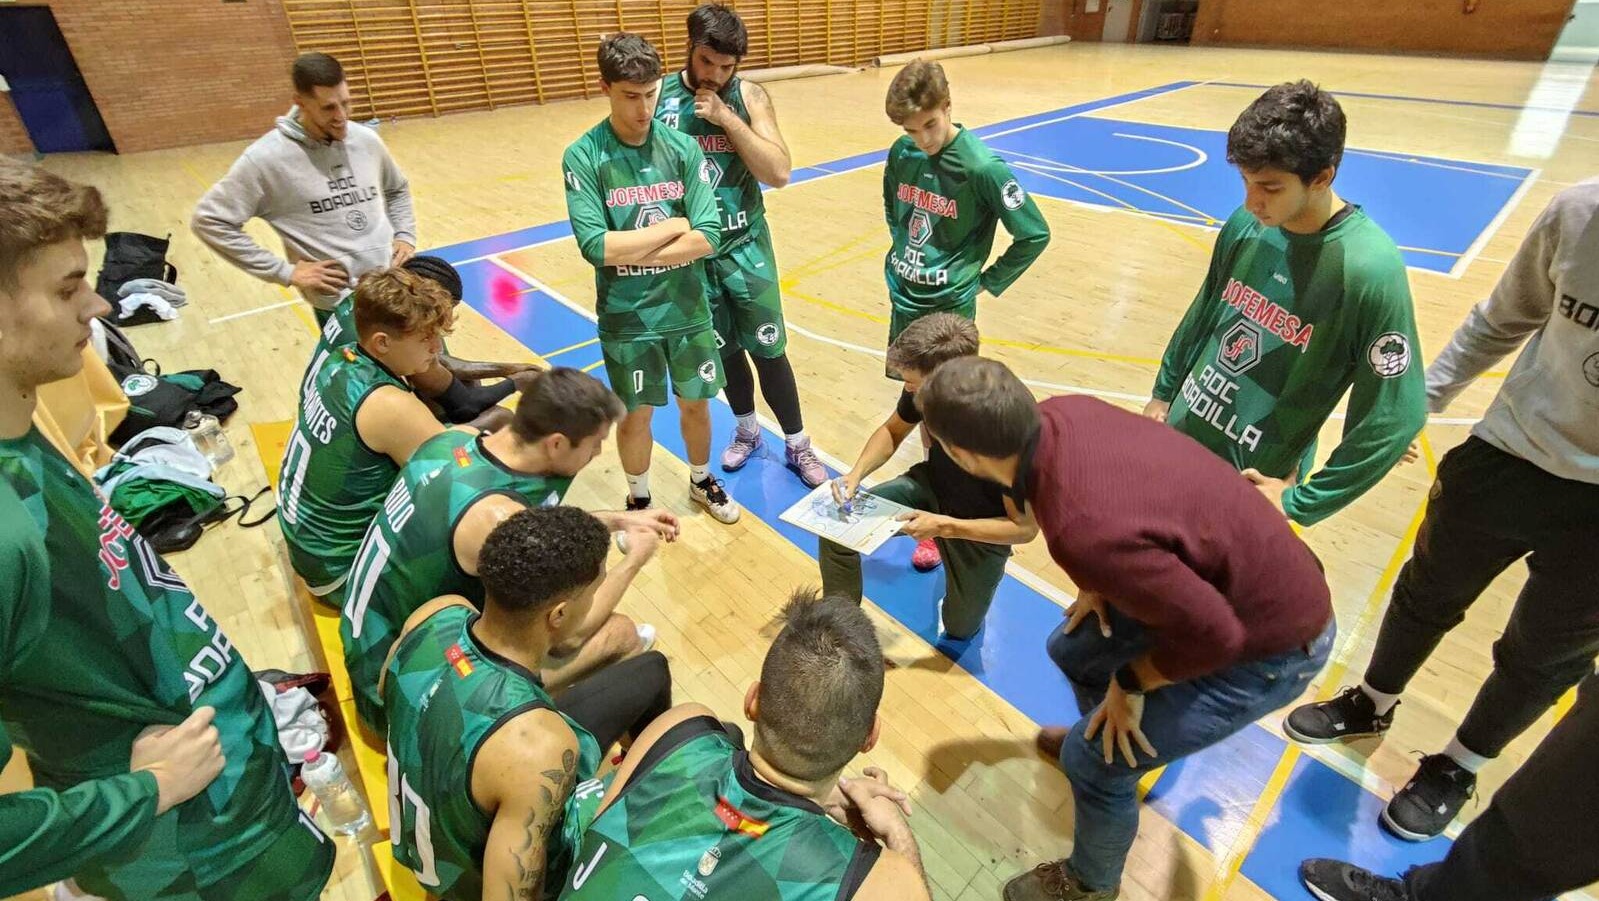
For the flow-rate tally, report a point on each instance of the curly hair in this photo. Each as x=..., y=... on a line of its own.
x=628, y=57
x=539, y=556
x=917, y=88
x=821, y=683
x=931, y=341
x=400, y=302
x=1296, y=127
x=39, y=208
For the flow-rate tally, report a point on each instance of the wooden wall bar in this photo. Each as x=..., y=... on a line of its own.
x=414, y=57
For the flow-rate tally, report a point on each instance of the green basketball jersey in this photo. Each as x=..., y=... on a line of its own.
x=408, y=557
x=738, y=193
x=332, y=483
x=446, y=694
x=1283, y=325
x=613, y=186
x=941, y=212
x=99, y=639
x=694, y=821
x=337, y=332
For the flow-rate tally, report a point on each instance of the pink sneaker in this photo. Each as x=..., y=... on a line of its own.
x=805, y=463
x=740, y=449
x=925, y=558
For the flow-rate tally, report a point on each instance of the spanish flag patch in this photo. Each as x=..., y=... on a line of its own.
x=735, y=820
x=463, y=459
x=458, y=661
x=349, y=354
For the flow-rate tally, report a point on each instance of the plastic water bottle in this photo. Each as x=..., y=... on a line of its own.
x=325, y=777
x=209, y=439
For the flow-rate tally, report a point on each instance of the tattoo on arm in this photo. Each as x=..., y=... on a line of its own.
x=530, y=854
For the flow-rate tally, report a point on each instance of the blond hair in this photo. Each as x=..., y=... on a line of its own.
x=919, y=87
x=38, y=208
x=400, y=302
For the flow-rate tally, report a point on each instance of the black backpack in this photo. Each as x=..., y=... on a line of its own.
x=129, y=256
x=158, y=399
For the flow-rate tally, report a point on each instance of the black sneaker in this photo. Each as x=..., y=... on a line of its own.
x=1350, y=715
x=1430, y=800
x=1334, y=880
x=637, y=503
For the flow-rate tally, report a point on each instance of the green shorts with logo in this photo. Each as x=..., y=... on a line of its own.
x=746, y=302
x=639, y=368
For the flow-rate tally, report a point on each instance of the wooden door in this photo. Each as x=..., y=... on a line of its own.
x=1085, y=19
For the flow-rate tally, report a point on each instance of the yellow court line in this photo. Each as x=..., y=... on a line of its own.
x=816, y=270
x=304, y=312
x=807, y=268
x=594, y=365
x=198, y=179
x=556, y=353
x=1332, y=679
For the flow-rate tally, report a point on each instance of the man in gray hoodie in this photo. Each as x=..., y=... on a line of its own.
x=1525, y=484
x=326, y=185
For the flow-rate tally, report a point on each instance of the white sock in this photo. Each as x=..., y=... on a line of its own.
x=700, y=473
x=1469, y=760
x=746, y=422
x=796, y=438
x=638, y=485
x=1384, y=701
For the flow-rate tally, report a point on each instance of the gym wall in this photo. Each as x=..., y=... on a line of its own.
x=410, y=57
x=14, y=139
x=166, y=73
x=1502, y=29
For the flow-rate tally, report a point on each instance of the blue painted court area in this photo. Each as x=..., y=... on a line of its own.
x=1180, y=174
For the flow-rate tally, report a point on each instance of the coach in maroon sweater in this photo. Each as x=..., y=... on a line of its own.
x=1211, y=612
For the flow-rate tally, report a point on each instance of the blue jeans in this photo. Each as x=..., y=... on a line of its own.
x=1178, y=720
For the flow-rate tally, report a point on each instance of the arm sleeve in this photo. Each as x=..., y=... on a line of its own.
x=397, y=199
x=1386, y=408
x=1029, y=233
x=700, y=198
x=1520, y=304
x=219, y=222
x=888, y=191
x=47, y=835
x=1194, y=627
x=1197, y=324
x=584, y=205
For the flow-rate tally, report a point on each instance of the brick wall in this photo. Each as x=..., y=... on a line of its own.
x=167, y=73
x=13, y=136
x=1052, y=17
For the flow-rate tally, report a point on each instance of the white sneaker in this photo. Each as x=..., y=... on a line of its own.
x=710, y=495
x=67, y=890
x=646, y=637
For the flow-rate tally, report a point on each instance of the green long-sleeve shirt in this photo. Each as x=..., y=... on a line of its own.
x=941, y=212
x=1284, y=325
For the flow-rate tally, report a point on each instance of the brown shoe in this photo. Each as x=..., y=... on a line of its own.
x=1053, y=881
x=1050, y=740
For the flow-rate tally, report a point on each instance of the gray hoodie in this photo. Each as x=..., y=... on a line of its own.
x=1547, y=412
x=335, y=200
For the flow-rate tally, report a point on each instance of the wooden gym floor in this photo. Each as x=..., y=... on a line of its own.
x=1121, y=145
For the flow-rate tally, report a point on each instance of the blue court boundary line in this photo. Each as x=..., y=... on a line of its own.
x=1483, y=104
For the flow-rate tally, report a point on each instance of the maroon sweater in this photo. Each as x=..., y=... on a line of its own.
x=1172, y=536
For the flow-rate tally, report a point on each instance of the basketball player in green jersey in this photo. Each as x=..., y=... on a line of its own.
x=456, y=489
x=156, y=759
x=482, y=764
x=1306, y=298
x=641, y=202
x=358, y=424
x=736, y=127
x=691, y=814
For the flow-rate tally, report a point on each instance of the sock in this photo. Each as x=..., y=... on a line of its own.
x=699, y=473
x=1384, y=701
x=1469, y=760
x=747, y=423
x=796, y=438
x=639, y=485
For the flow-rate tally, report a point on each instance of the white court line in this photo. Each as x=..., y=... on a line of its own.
x=1498, y=220
x=270, y=306
x=1056, y=165
x=1399, y=157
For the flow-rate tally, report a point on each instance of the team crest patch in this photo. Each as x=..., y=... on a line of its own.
x=708, y=370
x=1590, y=370
x=767, y=334
x=710, y=172
x=1240, y=348
x=649, y=214
x=572, y=184
x=356, y=220
x=709, y=860
x=1389, y=355
x=458, y=661
x=921, y=228
x=1013, y=195
x=138, y=383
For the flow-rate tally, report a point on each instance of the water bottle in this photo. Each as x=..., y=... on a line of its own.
x=209, y=439
x=323, y=774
